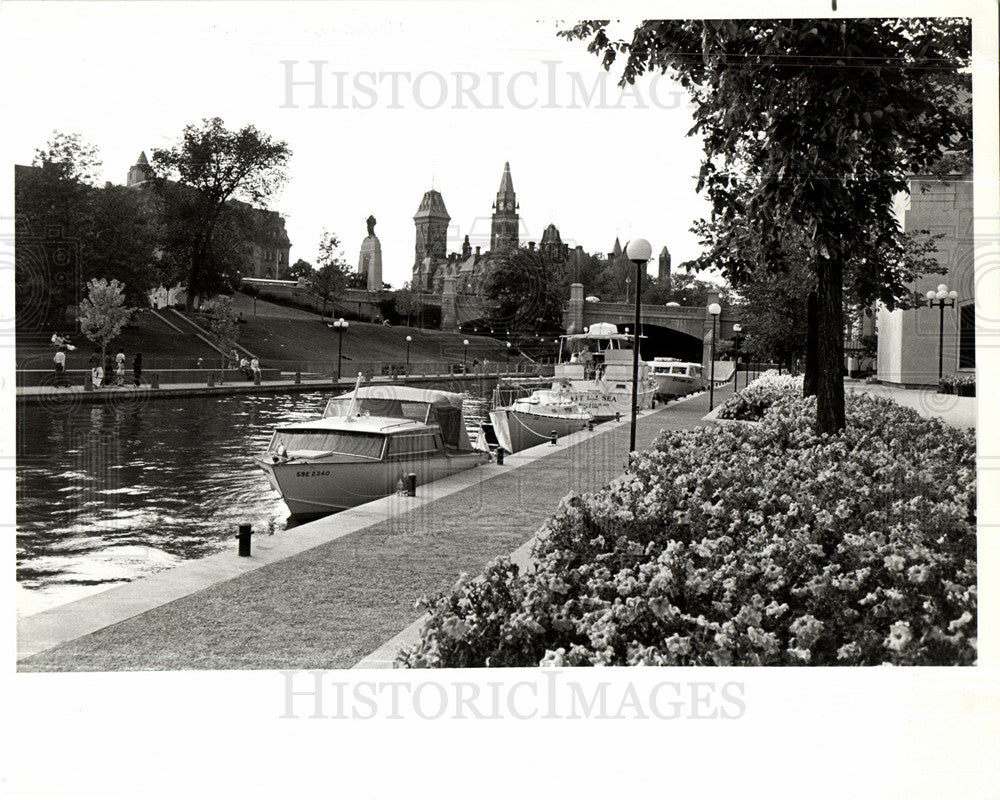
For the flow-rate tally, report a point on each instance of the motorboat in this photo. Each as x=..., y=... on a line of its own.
x=365, y=445
x=595, y=371
x=675, y=378
x=535, y=419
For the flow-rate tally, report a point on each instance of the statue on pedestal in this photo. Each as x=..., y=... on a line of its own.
x=370, y=258
x=371, y=225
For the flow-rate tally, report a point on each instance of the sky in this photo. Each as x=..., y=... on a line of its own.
x=437, y=95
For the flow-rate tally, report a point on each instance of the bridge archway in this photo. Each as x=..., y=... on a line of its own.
x=668, y=342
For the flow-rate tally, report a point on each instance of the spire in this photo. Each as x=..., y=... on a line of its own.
x=142, y=159
x=617, y=250
x=506, y=184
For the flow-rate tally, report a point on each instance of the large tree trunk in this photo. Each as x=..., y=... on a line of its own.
x=830, y=347
x=812, y=346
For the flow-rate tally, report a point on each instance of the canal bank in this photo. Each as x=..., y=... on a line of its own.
x=69, y=396
x=326, y=594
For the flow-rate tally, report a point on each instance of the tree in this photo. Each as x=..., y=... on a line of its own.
x=521, y=291
x=70, y=158
x=813, y=126
x=224, y=324
x=53, y=210
x=407, y=302
x=215, y=166
x=331, y=277
x=103, y=313
x=301, y=269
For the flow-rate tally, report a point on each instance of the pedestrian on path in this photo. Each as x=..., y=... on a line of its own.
x=59, y=361
x=137, y=369
x=96, y=369
x=245, y=368
x=120, y=368
x=255, y=368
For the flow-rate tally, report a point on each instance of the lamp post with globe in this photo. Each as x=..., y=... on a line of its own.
x=941, y=298
x=714, y=309
x=638, y=251
x=737, y=339
x=341, y=325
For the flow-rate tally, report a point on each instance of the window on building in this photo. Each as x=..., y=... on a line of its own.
x=967, y=336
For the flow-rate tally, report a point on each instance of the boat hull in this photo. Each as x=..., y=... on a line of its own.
x=668, y=386
x=517, y=430
x=315, y=488
x=603, y=403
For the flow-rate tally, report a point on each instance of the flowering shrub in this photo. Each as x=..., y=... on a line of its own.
x=744, y=545
x=958, y=384
x=760, y=395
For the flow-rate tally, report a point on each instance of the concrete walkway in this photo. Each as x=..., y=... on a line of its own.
x=959, y=412
x=324, y=595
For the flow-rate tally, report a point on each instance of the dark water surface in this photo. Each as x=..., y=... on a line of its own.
x=110, y=492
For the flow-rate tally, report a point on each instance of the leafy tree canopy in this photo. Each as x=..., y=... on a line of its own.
x=521, y=290
x=810, y=128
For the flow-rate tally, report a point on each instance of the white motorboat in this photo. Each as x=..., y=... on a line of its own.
x=676, y=378
x=535, y=419
x=365, y=445
x=595, y=371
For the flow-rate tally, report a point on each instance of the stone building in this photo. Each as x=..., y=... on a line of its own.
x=908, y=341
x=267, y=247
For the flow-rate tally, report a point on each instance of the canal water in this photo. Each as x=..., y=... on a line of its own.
x=110, y=492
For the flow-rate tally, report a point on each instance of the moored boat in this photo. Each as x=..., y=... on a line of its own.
x=532, y=420
x=675, y=378
x=365, y=445
x=595, y=371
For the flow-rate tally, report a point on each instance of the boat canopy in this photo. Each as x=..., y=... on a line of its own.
x=406, y=402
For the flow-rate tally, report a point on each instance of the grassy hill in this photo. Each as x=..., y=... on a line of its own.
x=281, y=337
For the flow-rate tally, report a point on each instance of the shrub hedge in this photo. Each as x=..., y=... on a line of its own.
x=744, y=545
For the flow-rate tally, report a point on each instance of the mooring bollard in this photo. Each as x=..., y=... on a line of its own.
x=155, y=383
x=244, y=539
x=499, y=456
x=590, y=425
x=411, y=484
x=211, y=379
x=298, y=377
x=618, y=416
x=553, y=437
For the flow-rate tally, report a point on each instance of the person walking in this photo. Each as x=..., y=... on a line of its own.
x=59, y=361
x=120, y=368
x=96, y=369
x=137, y=369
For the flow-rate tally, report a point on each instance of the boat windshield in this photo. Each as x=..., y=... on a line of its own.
x=379, y=407
x=316, y=443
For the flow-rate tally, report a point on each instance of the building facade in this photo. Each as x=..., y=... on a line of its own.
x=911, y=342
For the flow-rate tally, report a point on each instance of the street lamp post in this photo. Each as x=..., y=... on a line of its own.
x=638, y=251
x=941, y=298
x=737, y=338
x=465, y=356
x=714, y=309
x=340, y=324
x=408, y=340
x=508, y=357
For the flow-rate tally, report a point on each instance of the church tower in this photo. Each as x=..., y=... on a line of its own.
x=432, y=220
x=504, y=231
x=140, y=171
x=664, y=266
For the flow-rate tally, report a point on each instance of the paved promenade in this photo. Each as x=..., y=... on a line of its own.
x=332, y=604
x=959, y=412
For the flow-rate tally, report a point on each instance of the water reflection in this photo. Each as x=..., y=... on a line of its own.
x=106, y=494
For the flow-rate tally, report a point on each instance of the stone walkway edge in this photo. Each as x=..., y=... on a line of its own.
x=52, y=627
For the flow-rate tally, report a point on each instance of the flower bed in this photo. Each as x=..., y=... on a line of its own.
x=759, y=396
x=744, y=545
x=963, y=385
